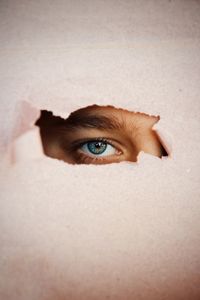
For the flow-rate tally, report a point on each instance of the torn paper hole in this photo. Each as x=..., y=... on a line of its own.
x=90, y=135
x=100, y=135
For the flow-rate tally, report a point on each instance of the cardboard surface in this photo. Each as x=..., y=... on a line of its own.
x=120, y=231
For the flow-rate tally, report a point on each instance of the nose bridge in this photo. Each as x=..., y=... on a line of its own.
x=130, y=122
x=141, y=136
x=132, y=139
x=135, y=144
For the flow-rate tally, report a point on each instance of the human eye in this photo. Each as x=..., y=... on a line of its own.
x=96, y=151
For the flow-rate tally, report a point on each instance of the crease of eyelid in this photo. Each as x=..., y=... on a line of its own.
x=100, y=136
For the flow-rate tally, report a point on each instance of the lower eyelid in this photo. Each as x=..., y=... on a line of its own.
x=84, y=158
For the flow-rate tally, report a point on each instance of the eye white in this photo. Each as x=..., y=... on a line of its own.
x=110, y=150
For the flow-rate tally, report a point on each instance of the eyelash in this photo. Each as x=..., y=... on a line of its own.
x=81, y=157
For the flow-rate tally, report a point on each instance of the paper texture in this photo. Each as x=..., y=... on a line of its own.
x=120, y=231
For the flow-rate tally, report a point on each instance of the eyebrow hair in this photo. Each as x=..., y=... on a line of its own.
x=79, y=120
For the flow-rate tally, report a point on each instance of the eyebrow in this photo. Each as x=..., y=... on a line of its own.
x=83, y=120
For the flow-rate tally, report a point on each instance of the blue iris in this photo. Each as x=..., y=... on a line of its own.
x=97, y=147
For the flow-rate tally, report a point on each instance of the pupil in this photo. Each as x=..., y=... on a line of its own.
x=97, y=147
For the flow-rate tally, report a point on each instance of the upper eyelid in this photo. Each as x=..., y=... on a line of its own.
x=73, y=146
x=103, y=139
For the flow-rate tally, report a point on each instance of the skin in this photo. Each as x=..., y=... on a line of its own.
x=122, y=133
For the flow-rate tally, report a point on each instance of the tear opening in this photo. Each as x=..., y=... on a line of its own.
x=100, y=135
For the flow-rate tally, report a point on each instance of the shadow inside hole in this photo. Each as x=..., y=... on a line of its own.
x=99, y=135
